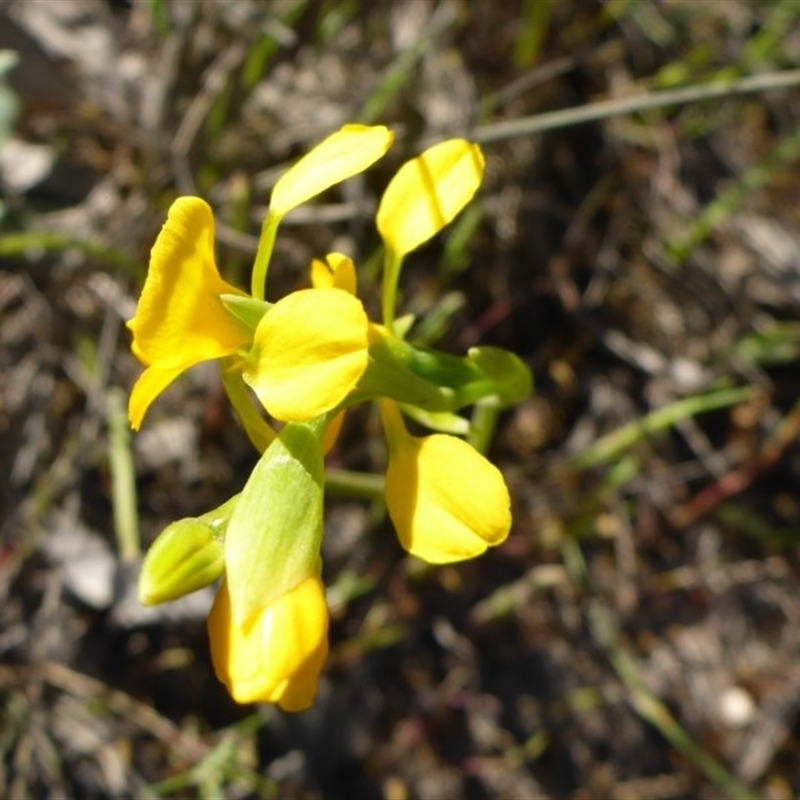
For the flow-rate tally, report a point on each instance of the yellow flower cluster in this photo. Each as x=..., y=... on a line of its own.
x=302, y=361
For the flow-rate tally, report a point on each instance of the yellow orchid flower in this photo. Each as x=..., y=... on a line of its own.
x=309, y=352
x=447, y=502
x=278, y=655
x=180, y=319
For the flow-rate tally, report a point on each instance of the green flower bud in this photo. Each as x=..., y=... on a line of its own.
x=188, y=555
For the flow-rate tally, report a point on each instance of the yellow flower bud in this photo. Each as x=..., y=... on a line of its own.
x=277, y=656
x=447, y=502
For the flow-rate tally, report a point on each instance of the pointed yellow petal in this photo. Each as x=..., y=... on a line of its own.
x=427, y=193
x=336, y=272
x=343, y=154
x=309, y=353
x=332, y=432
x=151, y=383
x=180, y=319
x=447, y=501
x=278, y=655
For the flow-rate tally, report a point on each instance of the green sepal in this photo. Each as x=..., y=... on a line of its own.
x=188, y=555
x=273, y=539
x=512, y=379
x=388, y=375
x=246, y=309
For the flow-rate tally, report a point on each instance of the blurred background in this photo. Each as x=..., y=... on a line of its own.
x=638, y=635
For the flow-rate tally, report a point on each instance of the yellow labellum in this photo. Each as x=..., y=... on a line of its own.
x=180, y=319
x=447, y=502
x=309, y=352
x=343, y=154
x=278, y=655
x=427, y=193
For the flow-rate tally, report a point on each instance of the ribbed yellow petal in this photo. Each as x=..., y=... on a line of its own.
x=343, y=154
x=277, y=657
x=309, y=352
x=180, y=319
x=447, y=502
x=427, y=193
x=336, y=272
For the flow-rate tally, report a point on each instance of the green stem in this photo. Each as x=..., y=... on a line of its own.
x=123, y=477
x=604, y=109
x=481, y=429
x=266, y=242
x=391, y=277
x=255, y=426
x=346, y=483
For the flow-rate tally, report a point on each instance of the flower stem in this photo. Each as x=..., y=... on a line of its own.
x=391, y=276
x=266, y=242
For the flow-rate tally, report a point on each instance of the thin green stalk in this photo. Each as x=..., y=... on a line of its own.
x=255, y=426
x=391, y=277
x=346, y=483
x=266, y=243
x=605, y=109
x=611, y=446
x=652, y=710
x=35, y=243
x=123, y=477
x=482, y=426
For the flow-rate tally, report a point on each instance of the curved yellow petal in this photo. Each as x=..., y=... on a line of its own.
x=345, y=153
x=180, y=319
x=309, y=352
x=277, y=656
x=336, y=272
x=427, y=193
x=446, y=501
x=150, y=384
x=332, y=432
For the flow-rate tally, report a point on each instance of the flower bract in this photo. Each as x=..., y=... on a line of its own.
x=447, y=502
x=180, y=319
x=278, y=654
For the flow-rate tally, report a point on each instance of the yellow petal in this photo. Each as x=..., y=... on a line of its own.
x=332, y=432
x=427, y=193
x=278, y=655
x=336, y=272
x=151, y=383
x=446, y=501
x=310, y=351
x=180, y=319
x=343, y=154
